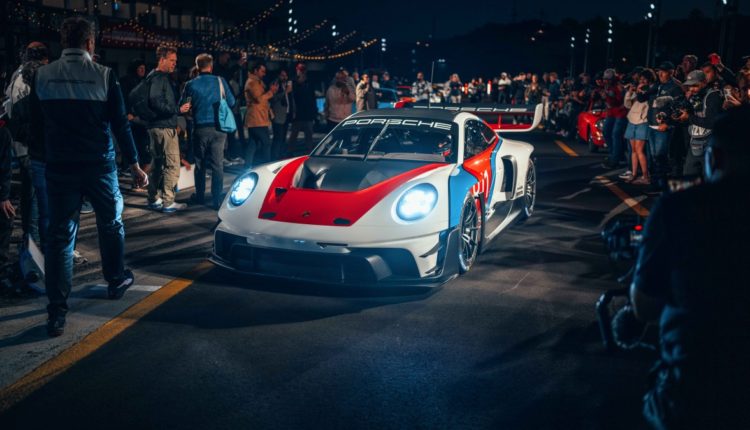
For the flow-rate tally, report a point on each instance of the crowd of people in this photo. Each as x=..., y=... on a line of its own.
x=657, y=122
x=75, y=129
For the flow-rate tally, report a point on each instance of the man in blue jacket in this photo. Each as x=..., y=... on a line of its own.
x=77, y=105
x=202, y=96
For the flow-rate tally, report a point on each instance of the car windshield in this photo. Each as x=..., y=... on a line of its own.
x=393, y=139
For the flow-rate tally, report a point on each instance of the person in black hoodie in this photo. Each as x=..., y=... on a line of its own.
x=165, y=145
x=7, y=210
x=136, y=73
x=305, y=111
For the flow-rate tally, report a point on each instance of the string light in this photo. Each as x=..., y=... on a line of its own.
x=132, y=26
x=302, y=57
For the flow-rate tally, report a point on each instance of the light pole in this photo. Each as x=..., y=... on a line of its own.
x=382, y=50
x=656, y=11
x=572, y=54
x=650, y=21
x=292, y=22
x=726, y=35
x=610, y=40
x=586, y=51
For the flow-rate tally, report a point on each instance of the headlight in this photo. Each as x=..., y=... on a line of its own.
x=416, y=203
x=242, y=188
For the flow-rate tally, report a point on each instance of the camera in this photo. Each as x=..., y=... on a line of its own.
x=618, y=326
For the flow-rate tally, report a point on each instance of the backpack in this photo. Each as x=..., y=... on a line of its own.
x=19, y=112
x=139, y=101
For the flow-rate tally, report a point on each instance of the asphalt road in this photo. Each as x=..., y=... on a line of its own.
x=512, y=344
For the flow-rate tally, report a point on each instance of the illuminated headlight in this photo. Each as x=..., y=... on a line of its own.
x=600, y=126
x=242, y=188
x=416, y=203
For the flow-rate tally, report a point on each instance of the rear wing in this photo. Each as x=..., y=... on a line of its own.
x=503, y=118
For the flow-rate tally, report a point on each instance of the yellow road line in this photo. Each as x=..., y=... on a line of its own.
x=567, y=149
x=634, y=204
x=96, y=339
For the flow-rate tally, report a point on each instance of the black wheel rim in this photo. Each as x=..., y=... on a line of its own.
x=530, y=188
x=470, y=230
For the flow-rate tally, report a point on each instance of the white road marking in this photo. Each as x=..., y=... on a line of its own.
x=517, y=284
x=622, y=207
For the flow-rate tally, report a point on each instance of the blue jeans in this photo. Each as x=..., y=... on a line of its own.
x=658, y=151
x=65, y=191
x=259, y=147
x=614, y=133
x=208, y=144
x=39, y=182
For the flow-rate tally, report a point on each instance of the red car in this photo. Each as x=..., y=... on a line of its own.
x=591, y=129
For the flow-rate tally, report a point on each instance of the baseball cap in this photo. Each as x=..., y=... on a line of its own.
x=666, y=65
x=691, y=57
x=694, y=78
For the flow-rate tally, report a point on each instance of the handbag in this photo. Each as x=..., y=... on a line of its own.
x=224, y=115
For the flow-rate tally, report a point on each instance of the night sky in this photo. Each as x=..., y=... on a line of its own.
x=407, y=20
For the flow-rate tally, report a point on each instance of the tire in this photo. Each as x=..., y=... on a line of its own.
x=592, y=147
x=470, y=234
x=529, y=195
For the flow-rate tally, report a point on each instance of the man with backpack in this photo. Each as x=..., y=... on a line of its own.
x=154, y=101
x=18, y=110
x=203, y=95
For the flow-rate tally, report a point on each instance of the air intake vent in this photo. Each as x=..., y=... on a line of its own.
x=268, y=215
x=342, y=221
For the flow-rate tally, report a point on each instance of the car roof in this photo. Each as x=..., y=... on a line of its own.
x=434, y=114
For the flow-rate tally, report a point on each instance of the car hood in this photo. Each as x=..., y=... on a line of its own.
x=334, y=192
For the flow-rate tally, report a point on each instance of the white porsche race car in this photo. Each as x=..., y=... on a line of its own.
x=403, y=197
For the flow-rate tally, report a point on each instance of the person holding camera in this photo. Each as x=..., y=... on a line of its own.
x=421, y=89
x=258, y=116
x=661, y=98
x=637, y=129
x=691, y=279
x=365, y=94
x=705, y=106
x=339, y=99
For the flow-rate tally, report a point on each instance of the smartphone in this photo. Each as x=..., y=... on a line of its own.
x=727, y=92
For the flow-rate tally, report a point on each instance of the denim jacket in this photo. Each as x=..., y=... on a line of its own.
x=204, y=96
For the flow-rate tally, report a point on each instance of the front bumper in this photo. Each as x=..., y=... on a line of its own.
x=353, y=266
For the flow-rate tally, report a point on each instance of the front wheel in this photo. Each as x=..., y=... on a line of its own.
x=529, y=197
x=470, y=233
x=592, y=146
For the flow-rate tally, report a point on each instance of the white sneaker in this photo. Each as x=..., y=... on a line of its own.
x=157, y=205
x=174, y=207
x=78, y=258
x=627, y=175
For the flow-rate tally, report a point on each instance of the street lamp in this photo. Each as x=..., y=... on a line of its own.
x=292, y=21
x=727, y=28
x=610, y=39
x=572, y=54
x=586, y=51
